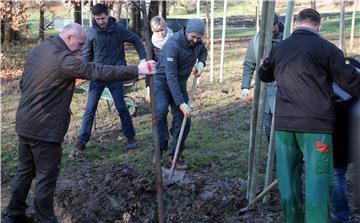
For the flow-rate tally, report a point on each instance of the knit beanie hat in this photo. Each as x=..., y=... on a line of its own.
x=195, y=25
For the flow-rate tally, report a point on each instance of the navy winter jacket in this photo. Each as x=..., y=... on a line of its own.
x=176, y=62
x=107, y=46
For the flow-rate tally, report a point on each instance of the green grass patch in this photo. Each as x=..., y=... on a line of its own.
x=330, y=27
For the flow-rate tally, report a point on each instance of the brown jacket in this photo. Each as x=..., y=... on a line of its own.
x=47, y=87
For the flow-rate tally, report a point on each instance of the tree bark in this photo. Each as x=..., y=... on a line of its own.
x=77, y=12
x=134, y=23
x=7, y=27
x=353, y=25
x=313, y=4
x=117, y=9
x=162, y=9
x=42, y=21
x=153, y=11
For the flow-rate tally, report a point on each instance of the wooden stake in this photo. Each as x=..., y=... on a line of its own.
x=268, y=9
x=223, y=41
x=342, y=27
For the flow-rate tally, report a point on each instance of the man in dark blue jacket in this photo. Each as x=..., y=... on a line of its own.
x=176, y=62
x=304, y=67
x=105, y=45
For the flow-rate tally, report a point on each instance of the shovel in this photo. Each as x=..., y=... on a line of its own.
x=261, y=195
x=181, y=134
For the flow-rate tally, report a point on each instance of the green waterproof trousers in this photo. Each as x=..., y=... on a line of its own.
x=315, y=151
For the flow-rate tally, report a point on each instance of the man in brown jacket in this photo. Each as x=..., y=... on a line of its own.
x=43, y=115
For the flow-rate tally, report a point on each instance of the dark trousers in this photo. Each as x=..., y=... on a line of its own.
x=163, y=99
x=41, y=160
x=116, y=89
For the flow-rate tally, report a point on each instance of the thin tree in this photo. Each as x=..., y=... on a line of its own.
x=135, y=21
x=42, y=20
x=342, y=27
x=353, y=25
x=313, y=4
x=8, y=31
x=153, y=11
x=77, y=12
x=158, y=182
x=197, y=8
x=162, y=8
x=117, y=9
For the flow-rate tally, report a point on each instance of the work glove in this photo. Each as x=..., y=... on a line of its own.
x=185, y=109
x=199, y=68
x=146, y=68
x=147, y=97
x=245, y=96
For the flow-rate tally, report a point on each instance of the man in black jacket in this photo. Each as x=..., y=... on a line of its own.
x=305, y=66
x=105, y=45
x=43, y=115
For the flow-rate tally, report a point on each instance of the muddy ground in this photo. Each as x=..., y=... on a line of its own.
x=120, y=194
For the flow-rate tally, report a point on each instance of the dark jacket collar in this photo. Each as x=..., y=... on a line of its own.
x=58, y=41
x=306, y=30
x=111, y=25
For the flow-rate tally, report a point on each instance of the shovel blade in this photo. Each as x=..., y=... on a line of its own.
x=178, y=175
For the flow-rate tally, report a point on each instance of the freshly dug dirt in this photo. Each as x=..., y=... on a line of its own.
x=119, y=194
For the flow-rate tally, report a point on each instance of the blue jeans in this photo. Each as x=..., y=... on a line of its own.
x=267, y=124
x=340, y=210
x=116, y=89
x=163, y=99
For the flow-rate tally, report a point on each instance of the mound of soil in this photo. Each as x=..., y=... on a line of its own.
x=120, y=194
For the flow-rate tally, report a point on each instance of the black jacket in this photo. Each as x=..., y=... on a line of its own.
x=305, y=66
x=47, y=87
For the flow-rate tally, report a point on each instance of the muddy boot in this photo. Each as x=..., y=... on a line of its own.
x=131, y=143
x=79, y=149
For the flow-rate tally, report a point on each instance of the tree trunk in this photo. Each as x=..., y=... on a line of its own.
x=313, y=4
x=134, y=23
x=153, y=11
x=77, y=12
x=117, y=9
x=7, y=27
x=42, y=21
x=162, y=9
